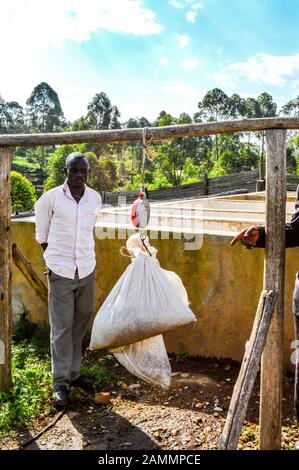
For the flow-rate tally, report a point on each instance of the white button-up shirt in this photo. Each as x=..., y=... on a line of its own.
x=67, y=227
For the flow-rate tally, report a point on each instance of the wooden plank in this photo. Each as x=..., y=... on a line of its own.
x=248, y=372
x=271, y=370
x=29, y=273
x=154, y=133
x=5, y=270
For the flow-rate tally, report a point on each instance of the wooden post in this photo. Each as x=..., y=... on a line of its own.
x=296, y=353
x=29, y=273
x=247, y=375
x=271, y=368
x=5, y=269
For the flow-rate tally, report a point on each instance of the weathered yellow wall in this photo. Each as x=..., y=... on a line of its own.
x=223, y=285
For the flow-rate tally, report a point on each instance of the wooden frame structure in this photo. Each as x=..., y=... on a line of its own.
x=271, y=371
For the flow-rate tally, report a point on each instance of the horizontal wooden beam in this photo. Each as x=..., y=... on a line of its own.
x=154, y=133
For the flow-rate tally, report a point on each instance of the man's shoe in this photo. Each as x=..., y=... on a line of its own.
x=83, y=382
x=60, y=396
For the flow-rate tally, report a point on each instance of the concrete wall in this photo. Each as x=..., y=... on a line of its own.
x=223, y=285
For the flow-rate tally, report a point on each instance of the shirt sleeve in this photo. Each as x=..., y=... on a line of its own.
x=43, y=214
x=99, y=204
x=291, y=232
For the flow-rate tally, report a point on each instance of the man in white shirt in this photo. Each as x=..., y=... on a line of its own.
x=65, y=218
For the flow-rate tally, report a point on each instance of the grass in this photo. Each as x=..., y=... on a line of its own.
x=22, y=162
x=30, y=395
x=99, y=372
x=30, y=398
x=182, y=354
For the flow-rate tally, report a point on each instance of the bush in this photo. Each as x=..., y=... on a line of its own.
x=23, y=194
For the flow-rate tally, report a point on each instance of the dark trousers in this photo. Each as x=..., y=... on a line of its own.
x=70, y=308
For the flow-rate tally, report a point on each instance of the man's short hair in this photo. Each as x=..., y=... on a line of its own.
x=75, y=156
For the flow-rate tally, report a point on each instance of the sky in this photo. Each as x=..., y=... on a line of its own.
x=149, y=55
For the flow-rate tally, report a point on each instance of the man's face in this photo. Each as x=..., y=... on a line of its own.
x=77, y=172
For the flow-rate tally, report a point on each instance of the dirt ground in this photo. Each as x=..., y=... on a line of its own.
x=190, y=415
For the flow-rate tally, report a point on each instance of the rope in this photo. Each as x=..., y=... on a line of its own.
x=145, y=152
x=145, y=155
x=125, y=254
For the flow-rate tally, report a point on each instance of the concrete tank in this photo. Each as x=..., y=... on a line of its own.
x=223, y=283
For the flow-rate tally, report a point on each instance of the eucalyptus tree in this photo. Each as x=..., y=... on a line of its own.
x=291, y=108
x=268, y=108
x=44, y=112
x=99, y=112
x=215, y=106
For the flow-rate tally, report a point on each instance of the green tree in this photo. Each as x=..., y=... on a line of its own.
x=252, y=108
x=44, y=112
x=23, y=194
x=15, y=118
x=134, y=123
x=159, y=181
x=165, y=120
x=268, y=109
x=102, y=173
x=4, y=118
x=99, y=112
x=80, y=124
x=252, y=111
x=109, y=179
x=191, y=172
x=237, y=106
x=291, y=108
x=39, y=155
x=293, y=154
x=234, y=156
x=267, y=105
x=114, y=118
x=214, y=106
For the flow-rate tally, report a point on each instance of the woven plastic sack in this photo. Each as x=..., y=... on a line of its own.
x=143, y=303
x=146, y=359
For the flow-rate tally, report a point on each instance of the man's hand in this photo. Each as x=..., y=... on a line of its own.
x=248, y=237
x=44, y=247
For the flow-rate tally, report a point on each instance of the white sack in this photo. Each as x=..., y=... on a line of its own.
x=143, y=303
x=146, y=359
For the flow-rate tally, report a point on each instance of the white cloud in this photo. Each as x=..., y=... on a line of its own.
x=180, y=89
x=264, y=68
x=189, y=63
x=29, y=29
x=191, y=16
x=54, y=21
x=224, y=79
x=164, y=61
x=183, y=39
x=176, y=4
x=186, y=3
x=197, y=6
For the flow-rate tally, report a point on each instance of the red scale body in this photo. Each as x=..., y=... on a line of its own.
x=140, y=211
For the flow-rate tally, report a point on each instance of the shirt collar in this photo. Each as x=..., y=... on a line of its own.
x=66, y=189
